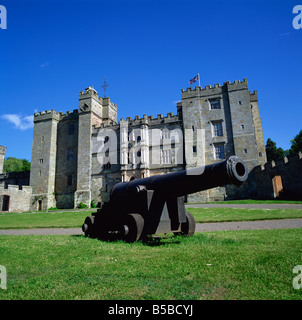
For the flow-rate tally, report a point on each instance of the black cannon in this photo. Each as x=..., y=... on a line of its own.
x=155, y=205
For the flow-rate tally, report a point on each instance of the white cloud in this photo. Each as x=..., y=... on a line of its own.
x=21, y=122
x=176, y=101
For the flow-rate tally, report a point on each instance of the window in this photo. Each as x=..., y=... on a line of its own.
x=106, y=139
x=193, y=128
x=71, y=129
x=166, y=156
x=41, y=161
x=260, y=154
x=69, y=154
x=165, y=134
x=219, y=151
x=242, y=126
x=217, y=129
x=239, y=103
x=69, y=180
x=215, y=104
x=107, y=166
x=139, y=138
x=194, y=149
x=245, y=150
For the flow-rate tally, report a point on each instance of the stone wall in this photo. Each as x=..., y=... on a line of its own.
x=2, y=155
x=19, y=197
x=260, y=182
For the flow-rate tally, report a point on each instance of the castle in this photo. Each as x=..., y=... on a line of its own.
x=211, y=124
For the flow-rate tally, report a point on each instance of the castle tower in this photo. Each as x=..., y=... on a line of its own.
x=2, y=155
x=258, y=127
x=93, y=110
x=228, y=117
x=43, y=160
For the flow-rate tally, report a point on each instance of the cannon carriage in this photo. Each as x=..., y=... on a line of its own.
x=155, y=205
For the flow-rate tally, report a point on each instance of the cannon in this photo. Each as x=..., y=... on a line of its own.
x=155, y=205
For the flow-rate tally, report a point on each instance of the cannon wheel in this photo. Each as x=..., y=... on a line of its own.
x=188, y=227
x=134, y=224
x=88, y=226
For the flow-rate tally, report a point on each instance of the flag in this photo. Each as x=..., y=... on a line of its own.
x=194, y=79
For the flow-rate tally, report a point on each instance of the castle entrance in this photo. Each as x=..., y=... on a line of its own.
x=277, y=185
x=5, y=203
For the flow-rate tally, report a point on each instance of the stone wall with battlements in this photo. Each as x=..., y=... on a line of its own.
x=130, y=137
x=281, y=179
x=66, y=169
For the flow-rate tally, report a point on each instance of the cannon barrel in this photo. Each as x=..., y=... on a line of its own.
x=231, y=171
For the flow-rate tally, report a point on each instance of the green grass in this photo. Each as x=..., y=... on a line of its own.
x=230, y=214
x=52, y=219
x=250, y=201
x=75, y=219
x=216, y=265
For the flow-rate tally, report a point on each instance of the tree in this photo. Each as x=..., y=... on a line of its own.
x=272, y=152
x=296, y=144
x=12, y=164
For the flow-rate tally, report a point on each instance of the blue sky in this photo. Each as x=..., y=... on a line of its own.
x=148, y=51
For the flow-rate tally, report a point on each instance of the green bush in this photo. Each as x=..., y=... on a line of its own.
x=82, y=205
x=93, y=204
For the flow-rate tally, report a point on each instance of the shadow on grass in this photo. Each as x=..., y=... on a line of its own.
x=150, y=241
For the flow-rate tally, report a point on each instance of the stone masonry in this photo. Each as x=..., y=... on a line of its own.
x=2, y=155
x=78, y=156
x=211, y=124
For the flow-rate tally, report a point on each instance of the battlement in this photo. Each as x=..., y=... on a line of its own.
x=138, y=120
x=216, y=89
x=89, y=91
x=254, y=95
x=279, y=163
x=2, y=150
x=16, y=188
x=52, y=114
x=150, y=120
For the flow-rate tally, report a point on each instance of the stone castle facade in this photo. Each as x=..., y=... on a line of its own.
x=211, y=123
x=65, y=168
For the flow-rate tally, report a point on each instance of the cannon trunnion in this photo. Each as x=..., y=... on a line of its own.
x=155, y=205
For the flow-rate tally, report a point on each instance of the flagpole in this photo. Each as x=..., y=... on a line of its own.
x=198, y=79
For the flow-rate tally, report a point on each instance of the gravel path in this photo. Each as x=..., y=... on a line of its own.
x=250, y=225
x=247, y=206
x=200, y=227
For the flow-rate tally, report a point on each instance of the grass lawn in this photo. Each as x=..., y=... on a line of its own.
x=50, y=219
x=231, y=214
x=215, y=265
x=250, y=201
x=75, y=219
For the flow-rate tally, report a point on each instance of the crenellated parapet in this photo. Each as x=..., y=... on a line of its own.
x=280, y=163
x=213, y=90
x=254, y=96
x=53, y=115
x=138, y=121
x=2, y=150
